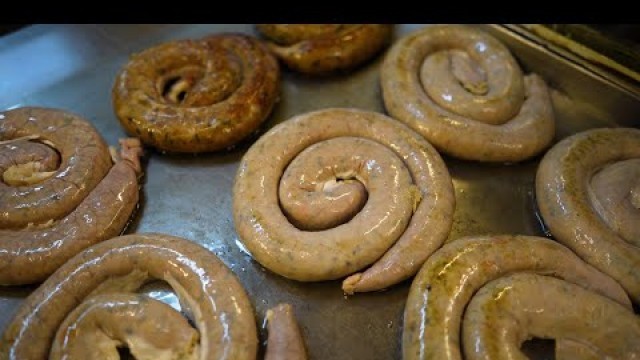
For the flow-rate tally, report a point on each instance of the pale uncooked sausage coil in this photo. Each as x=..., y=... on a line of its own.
x=330, y=192
x=588, y=192
x=448, y=280
x=462, y=90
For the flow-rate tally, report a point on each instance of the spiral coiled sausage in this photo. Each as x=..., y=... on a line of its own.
x=221, y=311
x=319, y=49
x=512, y=309
x=197, y=95
x=360, y=181
x=60, y=193
x=89, y=308
x=588, y=193
x=463, y=91
x=446, y=283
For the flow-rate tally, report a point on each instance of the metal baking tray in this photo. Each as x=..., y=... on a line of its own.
x=73, y=67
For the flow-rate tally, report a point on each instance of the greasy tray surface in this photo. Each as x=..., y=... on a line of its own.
x=73, y=67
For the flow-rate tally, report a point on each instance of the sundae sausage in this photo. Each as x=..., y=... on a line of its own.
x=463, y=91
x=318, y=49
x=60, y=192
x=510, y=310
x=449, y=278
x=197, y=95
x=222, y=313
x=380, y=192
x=588, y=192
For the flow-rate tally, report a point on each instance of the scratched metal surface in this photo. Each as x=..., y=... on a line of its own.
x=73, y=67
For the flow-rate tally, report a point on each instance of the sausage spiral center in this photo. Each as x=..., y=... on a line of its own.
x=323, y=188
x=81, y=148
x=465, y=93
x=327, y=193
x=614, y=193
x=60, y=191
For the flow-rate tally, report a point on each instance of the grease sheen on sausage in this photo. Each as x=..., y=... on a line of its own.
x=150, y=329
x=449, y=278
x=81, y=148
x=65, y=195
x=222, y=313
x=462, y=90
x=197, y=95
x=331, y=175
x=319, y=49
x=512, y=309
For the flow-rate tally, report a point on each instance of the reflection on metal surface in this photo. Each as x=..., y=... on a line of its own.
x=45, y=59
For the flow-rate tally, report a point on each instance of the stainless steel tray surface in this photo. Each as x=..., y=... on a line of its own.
x=73, y=67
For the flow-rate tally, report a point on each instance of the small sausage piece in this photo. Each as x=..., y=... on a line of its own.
x=345, y=140
x=221, y=310
x=449, y=278
x=463, y=91
x=510, y=310
x=197, y=95
x=63, y=166
x=320, y=49
x=150, y=329
x=588, y=193
x=285, y=340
